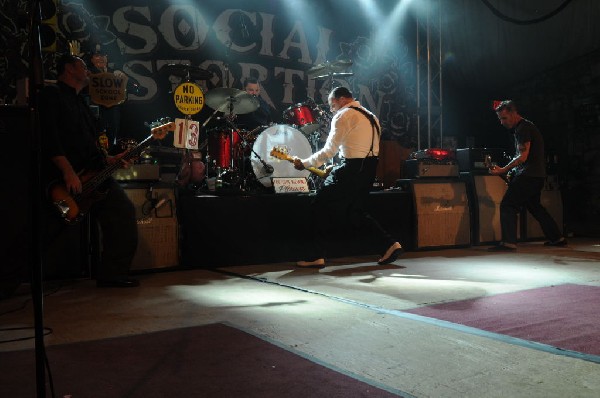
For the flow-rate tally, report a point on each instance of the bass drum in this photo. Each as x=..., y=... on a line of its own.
x=286, y=139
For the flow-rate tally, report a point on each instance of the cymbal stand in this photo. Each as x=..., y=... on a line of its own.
x=208, y=157
x=267, y=167
x=234, y=129
x=230, y=118
x=330, y=81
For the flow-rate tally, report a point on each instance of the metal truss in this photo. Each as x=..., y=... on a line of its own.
x=429, y=76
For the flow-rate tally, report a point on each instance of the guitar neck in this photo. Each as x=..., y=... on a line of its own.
x=317, y=172
x=313, y=170
x=92, y=184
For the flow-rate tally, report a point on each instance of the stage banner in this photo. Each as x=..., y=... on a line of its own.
x=284, y=44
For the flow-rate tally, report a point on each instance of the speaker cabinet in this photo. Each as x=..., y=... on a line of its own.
x=441, y=213
x=158, y=245
x=551, y=199
x=486, y=192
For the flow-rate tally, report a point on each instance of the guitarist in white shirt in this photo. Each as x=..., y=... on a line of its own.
x=526, y=183
x=70, y=148
x=355, y=134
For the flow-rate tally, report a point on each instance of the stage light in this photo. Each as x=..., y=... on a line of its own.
x=373, y=13
x=387, y=29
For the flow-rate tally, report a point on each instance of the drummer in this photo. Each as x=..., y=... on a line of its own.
x=261, y=116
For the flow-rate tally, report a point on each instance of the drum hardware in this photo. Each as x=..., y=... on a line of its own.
x=326, y=68
x=228, y=148
x=225, y=153
x=333, y=75
x=231, y=100
x=330, y=71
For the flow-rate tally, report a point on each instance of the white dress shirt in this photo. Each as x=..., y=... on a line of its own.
x=351, y=135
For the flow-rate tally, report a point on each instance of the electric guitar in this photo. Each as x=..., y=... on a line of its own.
x=506, y=177
x=280, y=154
x=71, y=207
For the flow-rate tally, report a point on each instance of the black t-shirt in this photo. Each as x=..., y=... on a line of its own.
x=252, y=120
x=68, y=129
x=535, y=166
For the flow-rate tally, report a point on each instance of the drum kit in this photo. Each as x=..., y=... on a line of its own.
x=240, y=160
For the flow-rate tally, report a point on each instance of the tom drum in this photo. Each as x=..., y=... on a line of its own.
x=302, y=116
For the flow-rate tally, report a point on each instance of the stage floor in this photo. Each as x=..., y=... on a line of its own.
x=353, y=316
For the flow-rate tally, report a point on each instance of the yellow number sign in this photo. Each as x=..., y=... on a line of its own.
x=189, y=98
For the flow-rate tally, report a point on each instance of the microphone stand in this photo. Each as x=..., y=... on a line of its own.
x=36, y=82
x=268, y=168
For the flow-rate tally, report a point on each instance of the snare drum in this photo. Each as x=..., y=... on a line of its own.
x=302, y=116
x=284, y=138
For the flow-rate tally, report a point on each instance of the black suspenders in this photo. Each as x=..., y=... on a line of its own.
x=374, y=127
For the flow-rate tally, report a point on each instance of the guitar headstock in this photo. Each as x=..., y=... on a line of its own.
x=280, y=153
x=161, y=127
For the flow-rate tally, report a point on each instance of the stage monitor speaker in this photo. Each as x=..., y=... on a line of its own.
x=442, y=215
x=158, y=244
x=551, y=199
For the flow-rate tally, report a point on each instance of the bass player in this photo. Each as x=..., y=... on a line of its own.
x=70, y=147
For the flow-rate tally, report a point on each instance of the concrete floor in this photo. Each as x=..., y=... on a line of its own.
x=348, y=316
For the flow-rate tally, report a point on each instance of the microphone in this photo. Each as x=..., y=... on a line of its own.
x=268, y=168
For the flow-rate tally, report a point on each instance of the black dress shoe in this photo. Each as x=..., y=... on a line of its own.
x=124, y=282
x=560, y=242
x=393, y=252
x=501, y=248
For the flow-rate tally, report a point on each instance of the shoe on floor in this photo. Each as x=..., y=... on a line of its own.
x=560, y=242
x=318, y=263
x=391, y=254
x=502, y=248
x=122, y=282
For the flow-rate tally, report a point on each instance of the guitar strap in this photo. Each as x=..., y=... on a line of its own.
x=374, y=127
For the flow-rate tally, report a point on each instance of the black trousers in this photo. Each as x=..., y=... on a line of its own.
x=115, y=214
x=524, y=191
x=340, y=202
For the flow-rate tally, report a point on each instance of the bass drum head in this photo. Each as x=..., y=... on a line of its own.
x=286, y=139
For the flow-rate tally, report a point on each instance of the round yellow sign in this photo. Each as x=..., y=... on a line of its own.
x=189, y=98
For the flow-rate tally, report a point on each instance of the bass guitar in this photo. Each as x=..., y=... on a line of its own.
x=71, y=207
x=280, y=154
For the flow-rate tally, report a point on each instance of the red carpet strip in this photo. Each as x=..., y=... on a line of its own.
x=564, y=316
x=206, y=361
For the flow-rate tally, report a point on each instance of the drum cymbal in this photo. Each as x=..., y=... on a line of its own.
x=329, y=67
x=333, y=75
x=232, y=100
x=187, y=71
